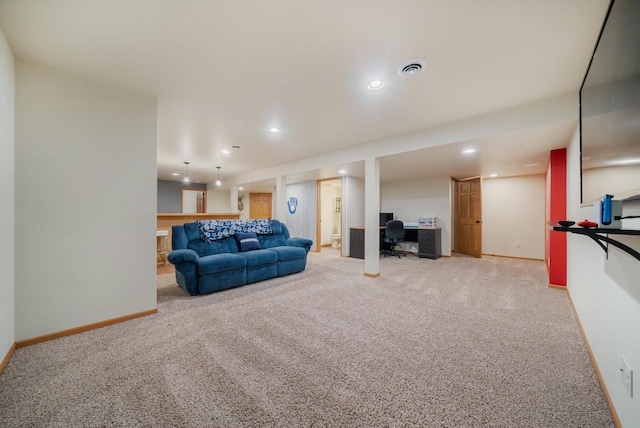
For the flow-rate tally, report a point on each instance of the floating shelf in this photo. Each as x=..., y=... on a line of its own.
x=599, y=236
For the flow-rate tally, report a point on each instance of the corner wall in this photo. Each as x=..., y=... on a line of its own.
x=86, y=202
x=7, y=197
x=606, y=295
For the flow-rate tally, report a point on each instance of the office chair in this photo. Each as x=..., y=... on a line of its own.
x=393, y=235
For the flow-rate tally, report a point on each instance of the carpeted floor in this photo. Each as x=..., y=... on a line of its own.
x=456, y=342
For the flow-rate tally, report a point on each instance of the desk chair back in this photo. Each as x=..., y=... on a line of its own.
x=393, y=235
x=394, y=231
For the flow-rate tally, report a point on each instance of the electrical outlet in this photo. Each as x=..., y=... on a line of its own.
x=626, y=374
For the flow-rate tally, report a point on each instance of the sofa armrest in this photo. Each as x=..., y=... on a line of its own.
x=183, y=256
x=300, y=242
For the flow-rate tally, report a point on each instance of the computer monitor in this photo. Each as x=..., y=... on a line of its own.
x=385, y=217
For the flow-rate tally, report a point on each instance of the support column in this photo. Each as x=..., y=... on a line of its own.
x=372, y=217
x=233, y=199
x=556, y=209
x=281, y=198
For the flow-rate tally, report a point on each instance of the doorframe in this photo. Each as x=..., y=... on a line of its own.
x=319, y=211
x=260, y=193
x=182, y=189
x=454, y=241
x=456, y=232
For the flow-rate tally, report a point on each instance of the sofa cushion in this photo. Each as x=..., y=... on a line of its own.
x=247, y=241
x=275, y=240
x=288, y=253
x=259, y=257
x=220, y=263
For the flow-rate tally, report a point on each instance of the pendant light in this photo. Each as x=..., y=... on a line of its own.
x=218, y=182
x=186, y=173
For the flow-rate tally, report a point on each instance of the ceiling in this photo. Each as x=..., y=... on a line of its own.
x=224, y=72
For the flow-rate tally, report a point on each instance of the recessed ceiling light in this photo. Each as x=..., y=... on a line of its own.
x=468, y=151
x=531, y=165
x=226, y=152
x=240, y=188
x=274, y=130
x=176, y=174
x=374, y=85
x=342, y=171
x=493, y=175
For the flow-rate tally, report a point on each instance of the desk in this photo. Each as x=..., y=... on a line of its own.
x=428, y=241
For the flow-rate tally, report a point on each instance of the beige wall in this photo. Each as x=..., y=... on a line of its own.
x=219, y=201
x=85, y=202
x=7, y=198
x=513, y=218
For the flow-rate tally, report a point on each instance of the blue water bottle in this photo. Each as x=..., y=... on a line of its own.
x=606, y=209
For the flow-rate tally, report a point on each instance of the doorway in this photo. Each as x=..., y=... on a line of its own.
x=469, y=217
x=193, y=201
x=329, y=227
x=260, y=205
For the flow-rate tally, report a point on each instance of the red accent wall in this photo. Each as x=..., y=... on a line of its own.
x=556, y=209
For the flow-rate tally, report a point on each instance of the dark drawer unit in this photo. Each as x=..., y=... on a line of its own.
x=429, y=243
x=356, y=243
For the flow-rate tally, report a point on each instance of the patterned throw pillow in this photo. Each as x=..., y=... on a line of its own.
x=247, y=241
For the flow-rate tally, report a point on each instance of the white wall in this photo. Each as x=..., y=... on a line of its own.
x=512, y=214
x=85, y=202
x=7, y=197
x=352, y=207
x=606, y=295
x=426, y=197
x=302, y=223
x=219, y=201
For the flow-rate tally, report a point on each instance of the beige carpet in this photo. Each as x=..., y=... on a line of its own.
x=456, y=342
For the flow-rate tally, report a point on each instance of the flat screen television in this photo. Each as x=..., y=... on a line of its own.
x=385, y=217
x=610, y=108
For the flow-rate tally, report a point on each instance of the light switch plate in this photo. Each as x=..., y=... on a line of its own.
x=626, y=374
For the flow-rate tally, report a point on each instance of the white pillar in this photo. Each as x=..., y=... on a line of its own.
x=233, y=199
x=281, y=199
x=372, y=217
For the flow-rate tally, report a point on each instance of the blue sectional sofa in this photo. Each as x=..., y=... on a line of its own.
x=205, y=266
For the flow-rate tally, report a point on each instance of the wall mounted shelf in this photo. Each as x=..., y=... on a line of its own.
x=600, y=235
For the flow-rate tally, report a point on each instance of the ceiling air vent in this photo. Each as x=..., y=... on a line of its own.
x=412, y=67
